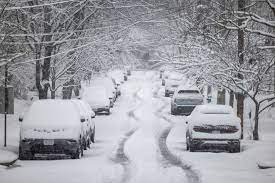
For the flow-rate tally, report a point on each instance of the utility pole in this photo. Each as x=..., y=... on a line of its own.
x=240, y=96
x=6, y=104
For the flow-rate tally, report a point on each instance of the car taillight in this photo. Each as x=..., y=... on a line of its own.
x=205, y=128
x=220, y=128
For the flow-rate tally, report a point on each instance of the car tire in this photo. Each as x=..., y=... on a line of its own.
x=108, y=112
x=166, y=94
x=173, y=112
x=192, y=148
x=24, y=155
x=79, y=152
x=85, y=144
x=235, y=149
x=93, y=136
x=89, y=143
x=187, y=146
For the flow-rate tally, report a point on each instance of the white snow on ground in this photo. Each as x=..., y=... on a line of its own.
x=131, y=146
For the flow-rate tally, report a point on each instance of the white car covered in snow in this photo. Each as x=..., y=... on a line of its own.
x=52, y=127
x=174, y=80
x=213, y=127
x=97, y=98
x=118, y=78
x=185, y=99
x=109, y=85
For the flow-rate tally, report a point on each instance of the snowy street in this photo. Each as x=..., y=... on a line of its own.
x=141, y=142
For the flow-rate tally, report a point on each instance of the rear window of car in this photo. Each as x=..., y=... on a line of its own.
x=188, y=91
x=216, y=110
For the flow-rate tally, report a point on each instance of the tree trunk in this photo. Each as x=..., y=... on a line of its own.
x=256, y=124
x=240, y=105
x=47, y=54
x=231, y=98
x=53, y=89
x=240, y=97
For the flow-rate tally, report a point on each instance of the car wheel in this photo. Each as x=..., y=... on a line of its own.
x=25, y=155
x=235, y=149
x=192, y=148
x=187, y=146
x=89, y=142
x=108, y=112
x=166, y=94
x=79, y=152
x=93, y=136
x=173, y=112
x=85, y=144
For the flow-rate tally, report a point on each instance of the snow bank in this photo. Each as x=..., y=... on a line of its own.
x=6, y=157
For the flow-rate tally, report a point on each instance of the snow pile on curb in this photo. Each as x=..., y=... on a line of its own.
x=6, y=157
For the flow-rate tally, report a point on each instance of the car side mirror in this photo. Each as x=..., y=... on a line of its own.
x=82, y=119
x=21, y=118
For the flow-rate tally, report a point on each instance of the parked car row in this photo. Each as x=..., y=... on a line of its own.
x=209, y=126
x=102, y=92
x=55, y=127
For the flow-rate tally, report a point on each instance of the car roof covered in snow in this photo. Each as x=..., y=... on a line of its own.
x=215, y=109
x=187, y=87
x=48, y=112
x=95, y=92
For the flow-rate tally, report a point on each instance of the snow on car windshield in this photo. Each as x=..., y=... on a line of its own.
x=188, y=101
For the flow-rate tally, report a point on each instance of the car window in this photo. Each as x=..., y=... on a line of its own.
x=188, y=91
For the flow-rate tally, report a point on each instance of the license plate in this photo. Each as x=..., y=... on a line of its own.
x=48, y=142
x=216, y=132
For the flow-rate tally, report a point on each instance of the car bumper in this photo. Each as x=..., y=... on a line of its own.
x=59, y=146
x=215, y=144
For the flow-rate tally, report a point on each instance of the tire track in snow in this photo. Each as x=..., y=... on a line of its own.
x=172, y=159
x=120, y=157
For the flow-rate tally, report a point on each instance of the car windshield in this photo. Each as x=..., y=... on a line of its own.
x=188, y=101
x=188, y=91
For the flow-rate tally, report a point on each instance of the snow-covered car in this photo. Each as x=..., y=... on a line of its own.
x=161, y=72
x=128, y=70
x=109, y=85
x=165, y=76
x=125, y=77
x=89, y=124
x=171, y=84
x=213, y=127
x=117, y=75
x=118, y=79
x=97, y=98
x=51, y=127
x=185, y=99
